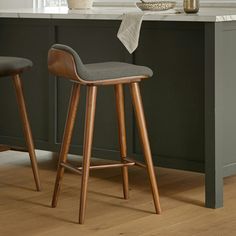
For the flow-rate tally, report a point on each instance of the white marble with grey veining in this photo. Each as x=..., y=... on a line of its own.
x=213, y=14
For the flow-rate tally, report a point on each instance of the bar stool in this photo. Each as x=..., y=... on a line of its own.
x=63, y=61
x=14, y=66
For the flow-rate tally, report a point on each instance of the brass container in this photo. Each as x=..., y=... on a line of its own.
x=191, y=6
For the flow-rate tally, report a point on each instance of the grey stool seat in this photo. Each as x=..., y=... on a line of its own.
x=13, y=65
x=114, y=70
x=105, y=72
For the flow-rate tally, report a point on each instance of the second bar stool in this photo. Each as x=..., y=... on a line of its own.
x=13, y=67
x=65, y=62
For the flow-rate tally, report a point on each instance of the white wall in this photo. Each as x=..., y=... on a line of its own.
x=16, y=3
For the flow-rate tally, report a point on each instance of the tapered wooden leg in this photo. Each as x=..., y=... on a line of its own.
x=88, y=139
x=74, y=100
x=26, y=129
x=122, y=135
x=138, y=107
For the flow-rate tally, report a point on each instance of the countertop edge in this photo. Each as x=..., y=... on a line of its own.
x=204, y=15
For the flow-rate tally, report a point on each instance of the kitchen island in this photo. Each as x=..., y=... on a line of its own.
x=189, y=102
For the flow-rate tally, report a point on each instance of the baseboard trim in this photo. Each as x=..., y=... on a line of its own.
x=229, y=169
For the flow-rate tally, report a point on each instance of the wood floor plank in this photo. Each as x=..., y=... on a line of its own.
x=24, y=210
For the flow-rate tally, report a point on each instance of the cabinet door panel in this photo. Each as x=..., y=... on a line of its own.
x=21, y=39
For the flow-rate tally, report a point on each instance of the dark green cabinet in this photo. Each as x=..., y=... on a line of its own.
x=189, y=102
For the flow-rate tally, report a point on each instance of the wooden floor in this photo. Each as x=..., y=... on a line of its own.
x=24, y=211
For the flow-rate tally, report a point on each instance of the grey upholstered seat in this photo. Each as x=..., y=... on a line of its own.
x=114, y=70
x=105, y=70
x=13, y=65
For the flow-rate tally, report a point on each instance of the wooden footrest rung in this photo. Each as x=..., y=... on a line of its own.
x=70, y=167
x=128, y=162
x=108, y=166
x=79, y=169
x=128, y=159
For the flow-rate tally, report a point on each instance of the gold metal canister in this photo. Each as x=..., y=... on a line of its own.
x=191, y=6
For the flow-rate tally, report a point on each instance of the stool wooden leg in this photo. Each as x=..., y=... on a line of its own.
x=27, y=129
x=88, y=139
x=138, y=107
x=73, y=105
x=122, y=135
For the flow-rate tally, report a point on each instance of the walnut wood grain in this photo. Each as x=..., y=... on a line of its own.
x=138, y=108
x=73, y=105
x=122, y=135
x=26, y=128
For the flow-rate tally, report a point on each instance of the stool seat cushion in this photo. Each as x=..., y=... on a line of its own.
x=105, y=70
x=13, y=65
x=114, y=70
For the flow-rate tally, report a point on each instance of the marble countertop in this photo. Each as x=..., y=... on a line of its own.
x=213, y=14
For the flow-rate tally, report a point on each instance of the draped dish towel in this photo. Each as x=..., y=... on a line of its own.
x=130, y=27
x=129, y=30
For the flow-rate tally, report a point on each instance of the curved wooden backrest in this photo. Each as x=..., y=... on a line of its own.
x=62, y=63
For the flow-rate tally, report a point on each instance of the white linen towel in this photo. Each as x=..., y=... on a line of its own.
x=129, y=30
x=130, y=27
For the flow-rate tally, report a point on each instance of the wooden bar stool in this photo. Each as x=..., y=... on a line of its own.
x=65, y=62
x=14, y=66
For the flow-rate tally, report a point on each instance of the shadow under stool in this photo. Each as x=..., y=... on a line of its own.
x=13, y=67
x=63, y=61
